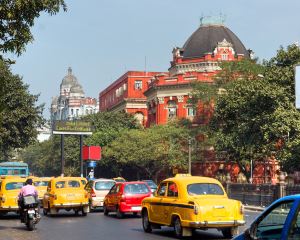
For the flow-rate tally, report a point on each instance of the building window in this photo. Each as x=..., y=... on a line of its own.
x=172, y=109
x=224, y=57
x=191, y=112
x=138, y=84
x=77, y=112
x=72, y=112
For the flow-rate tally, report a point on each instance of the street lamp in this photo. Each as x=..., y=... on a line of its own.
x=190, y=155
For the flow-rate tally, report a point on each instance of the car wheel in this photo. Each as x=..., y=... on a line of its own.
x=229, y=232
x=119, y=213
x=45, y=211
x=177, y=227
x=146, y=223
x=105, y=210
x=83, y=213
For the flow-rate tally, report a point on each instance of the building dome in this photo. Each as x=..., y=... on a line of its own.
x=76, y=89
x=206, y=38
x=69, y=80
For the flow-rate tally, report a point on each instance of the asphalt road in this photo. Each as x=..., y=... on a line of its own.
x=67, y=226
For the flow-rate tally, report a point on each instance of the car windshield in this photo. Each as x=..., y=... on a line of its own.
x=69, y=184
x=41, y=183
x=14, y=185
x=104, y=185
x=151, y=184
x=204, y=189
x=136, y=188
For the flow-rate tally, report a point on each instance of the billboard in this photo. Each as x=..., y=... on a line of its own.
x=297, y=86
x=72, y=127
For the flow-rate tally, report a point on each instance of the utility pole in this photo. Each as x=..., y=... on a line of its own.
x=190, y=155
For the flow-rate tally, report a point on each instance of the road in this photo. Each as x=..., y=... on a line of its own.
x=67, y=226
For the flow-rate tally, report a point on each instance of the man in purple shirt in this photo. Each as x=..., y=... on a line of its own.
x=26, y=190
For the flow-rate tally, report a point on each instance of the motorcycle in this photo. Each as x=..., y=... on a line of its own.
x=30, y=215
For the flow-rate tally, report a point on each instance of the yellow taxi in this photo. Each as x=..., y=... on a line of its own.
x=188, y=202
x=119, y=179
x=66, y=193
x=9, y=190
x=41, y=184
x=83, y=181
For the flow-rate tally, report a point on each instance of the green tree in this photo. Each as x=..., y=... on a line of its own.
x=20, y=116
x=255, y=117
x=16, y=19
x=44, y=158
x=108, y=126
x=152, y=150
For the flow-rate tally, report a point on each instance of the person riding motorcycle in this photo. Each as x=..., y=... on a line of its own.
x=26, y=190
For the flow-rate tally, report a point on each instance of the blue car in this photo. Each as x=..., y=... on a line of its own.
x=281, y=220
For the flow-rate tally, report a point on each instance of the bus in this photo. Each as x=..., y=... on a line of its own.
x=14, y=169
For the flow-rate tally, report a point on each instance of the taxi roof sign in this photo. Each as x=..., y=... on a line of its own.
x=183, y=175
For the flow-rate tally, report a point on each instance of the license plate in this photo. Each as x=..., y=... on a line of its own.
x=136, y=208
x=31, y=211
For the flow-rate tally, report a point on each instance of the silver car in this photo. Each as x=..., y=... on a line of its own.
x=98, y=188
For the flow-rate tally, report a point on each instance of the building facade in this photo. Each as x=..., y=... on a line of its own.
x=127, y=94
x=71, y=103
x=156, y=98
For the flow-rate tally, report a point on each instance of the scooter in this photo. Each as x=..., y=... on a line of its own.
x=30, y=215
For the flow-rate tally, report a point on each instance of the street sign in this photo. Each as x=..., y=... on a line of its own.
x=72, y=127
x=91, y=153
x=297, y=86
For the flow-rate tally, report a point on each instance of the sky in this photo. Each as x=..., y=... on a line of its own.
x=102, y=39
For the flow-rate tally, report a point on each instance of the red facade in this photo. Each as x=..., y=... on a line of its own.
x=127, y=94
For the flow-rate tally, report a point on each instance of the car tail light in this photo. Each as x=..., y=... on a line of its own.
x=93, y=194
x=242, y=209
x=123, y=198
x=196, y=210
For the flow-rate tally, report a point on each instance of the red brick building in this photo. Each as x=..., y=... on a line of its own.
x=198, y=60
x=127, y=94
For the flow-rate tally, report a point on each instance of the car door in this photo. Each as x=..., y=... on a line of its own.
x=170, y=202
x=275, y=222
x=109, y=199
x=156, y=205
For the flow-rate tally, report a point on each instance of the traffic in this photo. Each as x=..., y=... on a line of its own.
x=183, y=204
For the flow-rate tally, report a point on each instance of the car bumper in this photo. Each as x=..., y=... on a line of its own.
x=64, y=205
x=9, y=208
x=130, y=208
x=215, y=224
x=96, y=202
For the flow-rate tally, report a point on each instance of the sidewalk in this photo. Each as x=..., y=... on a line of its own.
x=254, y=208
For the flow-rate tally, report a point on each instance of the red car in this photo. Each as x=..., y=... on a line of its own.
x=126, y=197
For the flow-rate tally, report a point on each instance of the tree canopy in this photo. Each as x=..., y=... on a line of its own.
x=19, y=115
x=255, y=117
x=16, y=19
x=152, y=150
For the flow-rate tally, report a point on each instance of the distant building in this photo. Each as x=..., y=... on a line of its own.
x=71, y=104
x=44, y=133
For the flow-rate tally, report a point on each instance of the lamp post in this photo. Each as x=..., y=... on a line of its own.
x=251, y=171
x=190, y=155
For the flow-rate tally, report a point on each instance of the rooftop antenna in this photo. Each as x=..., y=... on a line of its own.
x=145, y=64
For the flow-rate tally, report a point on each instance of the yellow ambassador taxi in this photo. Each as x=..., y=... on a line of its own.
x=66, y=193
x=9, y=189
x=41, y=184
x=188, y=202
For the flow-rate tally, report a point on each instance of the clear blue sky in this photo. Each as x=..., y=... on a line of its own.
x=101, y=39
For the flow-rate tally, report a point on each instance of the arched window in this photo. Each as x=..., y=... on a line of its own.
x=172, y=109
x=139, y=116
